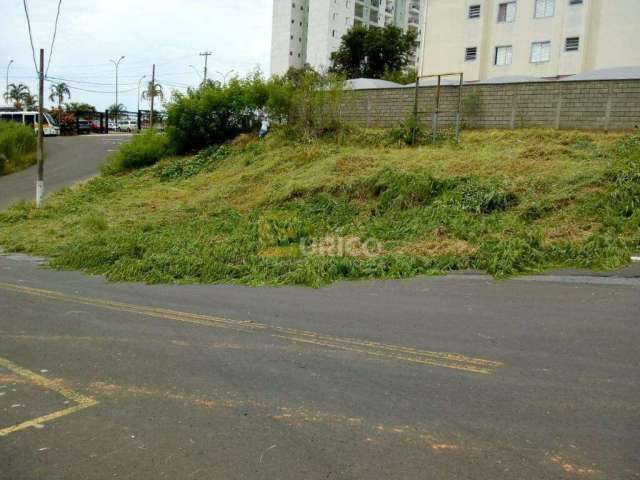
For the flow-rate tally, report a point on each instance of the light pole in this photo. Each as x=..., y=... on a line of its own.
x=7, y=90
x=139, y=82
x=117, y=64
x=224, y=76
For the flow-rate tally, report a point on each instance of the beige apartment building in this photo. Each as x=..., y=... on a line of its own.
x=540, y=38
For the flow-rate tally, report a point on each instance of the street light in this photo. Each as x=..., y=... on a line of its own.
x=139, y=82
x=7, y=90
x=224, y=76
x=117, y=64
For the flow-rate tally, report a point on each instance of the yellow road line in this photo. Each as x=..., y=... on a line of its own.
x=440, y=359
x=40, y=381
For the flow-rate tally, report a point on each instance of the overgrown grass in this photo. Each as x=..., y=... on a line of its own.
x=17, y=147
x=144, y=150
x=281, y=212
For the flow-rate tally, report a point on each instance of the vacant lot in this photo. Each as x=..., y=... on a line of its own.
x=309, y=212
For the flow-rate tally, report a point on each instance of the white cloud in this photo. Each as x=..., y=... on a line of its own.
x=169, y=33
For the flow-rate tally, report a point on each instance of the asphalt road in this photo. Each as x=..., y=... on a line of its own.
x=68, y=160
x=457, y=377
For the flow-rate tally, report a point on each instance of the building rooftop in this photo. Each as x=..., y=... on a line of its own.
x=369, y=83
x=618, y=73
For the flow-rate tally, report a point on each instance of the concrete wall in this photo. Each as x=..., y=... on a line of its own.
x=587, y=105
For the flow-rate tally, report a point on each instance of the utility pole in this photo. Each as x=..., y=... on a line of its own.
x=117, y=64
x=152, y=91
x=206, y=61
x=8, y=67
x=40, y=151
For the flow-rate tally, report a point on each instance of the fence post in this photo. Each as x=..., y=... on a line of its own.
x=139, y=120
x=558, y=107
x=106, y=120
x=607, y=111
x=514, y=107
x=434, y=126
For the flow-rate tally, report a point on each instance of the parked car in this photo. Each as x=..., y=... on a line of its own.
x=95, y=126
x=112, y=125
x=84, y=126
x=127, y=126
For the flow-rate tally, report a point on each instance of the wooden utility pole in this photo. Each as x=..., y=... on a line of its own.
x=40, y=180
x=152, y=91
x=206, y=61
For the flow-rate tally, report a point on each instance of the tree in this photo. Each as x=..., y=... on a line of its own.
x=79, y=107
x=153, y=90
x=58, y=92
x=370, y=52
x=18, y=94
x=117, y=109
x=31, y=101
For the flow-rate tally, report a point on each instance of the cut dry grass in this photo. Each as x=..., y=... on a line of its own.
x=264, y=212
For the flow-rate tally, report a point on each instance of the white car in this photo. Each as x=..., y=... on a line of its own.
x=127, y=126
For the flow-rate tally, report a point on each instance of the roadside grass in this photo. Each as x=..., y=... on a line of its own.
x=17, y=147
x=281, y=211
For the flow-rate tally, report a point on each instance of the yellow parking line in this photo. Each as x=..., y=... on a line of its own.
x=40, y=381
x=454, y=361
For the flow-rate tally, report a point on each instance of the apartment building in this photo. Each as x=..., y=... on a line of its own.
x=540, y=38
x=308, y=31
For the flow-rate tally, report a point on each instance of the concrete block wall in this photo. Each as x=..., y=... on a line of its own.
x=584, y=105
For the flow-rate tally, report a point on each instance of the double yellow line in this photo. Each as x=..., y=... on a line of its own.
x=375, y=349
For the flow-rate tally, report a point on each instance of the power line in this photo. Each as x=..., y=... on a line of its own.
x=33, y=51
x=53, y=40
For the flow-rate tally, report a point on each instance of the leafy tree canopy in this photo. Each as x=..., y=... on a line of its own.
x=370, y=52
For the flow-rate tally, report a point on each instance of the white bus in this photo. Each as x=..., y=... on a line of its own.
x=49, y=125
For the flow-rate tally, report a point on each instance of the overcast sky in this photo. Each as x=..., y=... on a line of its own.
x=169, y=33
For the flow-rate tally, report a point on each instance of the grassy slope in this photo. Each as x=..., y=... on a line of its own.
x=505, y=202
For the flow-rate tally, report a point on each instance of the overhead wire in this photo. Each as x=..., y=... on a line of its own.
x=53, y=40
x=33, y=50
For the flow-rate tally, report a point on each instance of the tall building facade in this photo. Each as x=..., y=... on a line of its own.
x=308, y=31
x=540, y=38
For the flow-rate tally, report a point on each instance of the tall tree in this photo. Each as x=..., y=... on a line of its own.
x=116, y=110
x=58, y=92
x=153, y=90
x=18, y=94
x=370, y=52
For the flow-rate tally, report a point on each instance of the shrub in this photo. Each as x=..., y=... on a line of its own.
x=144, y=150
x=17, y=146
x=214, y=113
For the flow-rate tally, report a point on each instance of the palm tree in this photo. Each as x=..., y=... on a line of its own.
x=31, y=101
x=116, y=110
x=153, y=90
x=58, y=92
x=18, y=94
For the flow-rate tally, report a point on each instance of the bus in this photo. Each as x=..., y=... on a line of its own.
x=49, y=125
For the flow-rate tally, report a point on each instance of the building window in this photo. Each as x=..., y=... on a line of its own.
x=474, y=11
x=572, y=44
x=359, y=10
x=575, y=2
x=545, y=8
x=540, y=52
x=504, y=55
x=290, y=53
x=470, y=54
x=507, y=12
